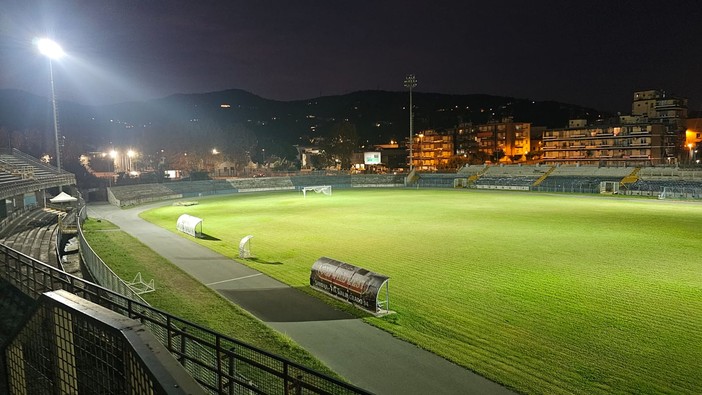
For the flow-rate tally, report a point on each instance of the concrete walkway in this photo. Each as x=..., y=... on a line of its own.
x=366, y=356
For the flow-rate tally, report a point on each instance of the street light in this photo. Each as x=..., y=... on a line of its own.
x=52, y=50
x=410, y=82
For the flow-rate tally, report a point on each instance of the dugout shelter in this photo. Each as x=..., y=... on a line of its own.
x=360, y=287
x=190, y=225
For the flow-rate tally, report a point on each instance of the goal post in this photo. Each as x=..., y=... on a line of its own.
x=609, y=187
x=323, y=189
x=663, y=194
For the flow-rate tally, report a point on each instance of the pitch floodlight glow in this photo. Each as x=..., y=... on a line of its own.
x=50, y=48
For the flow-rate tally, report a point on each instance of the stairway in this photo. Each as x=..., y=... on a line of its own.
x=543, y=177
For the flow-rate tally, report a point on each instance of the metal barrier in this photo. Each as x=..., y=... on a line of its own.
x=220, y=364
x=101, y=273
x=69, y=345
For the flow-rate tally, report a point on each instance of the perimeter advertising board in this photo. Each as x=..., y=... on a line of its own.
x=348, y=282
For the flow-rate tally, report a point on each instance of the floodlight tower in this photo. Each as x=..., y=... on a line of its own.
x=410, y=82
x=52, y=50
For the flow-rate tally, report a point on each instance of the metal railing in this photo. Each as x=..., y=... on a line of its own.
x=69, y=345
x=220, y=364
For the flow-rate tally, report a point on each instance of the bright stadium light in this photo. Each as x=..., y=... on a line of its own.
x=52, y=50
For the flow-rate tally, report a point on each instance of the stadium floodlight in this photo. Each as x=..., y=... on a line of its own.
x=410, y=83
x=52, y=50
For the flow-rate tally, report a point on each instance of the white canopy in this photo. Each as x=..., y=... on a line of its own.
x=62, y=197
x=188, y=224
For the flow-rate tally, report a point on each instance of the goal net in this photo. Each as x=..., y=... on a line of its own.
x=324, y=189
x=663, y=194
x=609, y=187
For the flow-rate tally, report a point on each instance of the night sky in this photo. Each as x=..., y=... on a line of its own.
x=593, y=53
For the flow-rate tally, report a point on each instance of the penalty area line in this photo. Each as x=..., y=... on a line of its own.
x=234, y=279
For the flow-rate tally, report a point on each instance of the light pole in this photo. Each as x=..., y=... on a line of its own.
x=130, y=155
x=410, y=82
x=52, y=50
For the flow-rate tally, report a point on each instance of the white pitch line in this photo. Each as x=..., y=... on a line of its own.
x=234, y=279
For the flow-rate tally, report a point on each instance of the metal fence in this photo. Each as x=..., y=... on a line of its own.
x=101, y=273
x=69, y=345
x=220, y=364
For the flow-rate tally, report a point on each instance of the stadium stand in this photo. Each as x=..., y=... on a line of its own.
x=666, y=181
x=196, y=188
x=127, y=195
x=262, y=184
x=437, y=180
x=580, y=179
x=25, y=165
x=338, y=181
x=377, y=180
x=21, y=174
x=564, y=178
x=34, y=234
x=471, y=170
x=513, y=177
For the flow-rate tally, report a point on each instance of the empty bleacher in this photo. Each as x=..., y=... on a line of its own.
x=336, y=181
x=196, y=188
x=437, y=180
x=581, y=179
x=34, y=234
x=262, y=184
x=377, y=180
x=670, y=173
x=141, y=193
x=471, y=170
x=514, y=177
x=25, y=167
x=673, y=188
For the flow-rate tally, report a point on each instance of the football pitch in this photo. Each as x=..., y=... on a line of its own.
x=543, y=293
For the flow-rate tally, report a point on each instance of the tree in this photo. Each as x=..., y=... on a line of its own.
x=340, y=145
x=457, y=161
x=497, y=155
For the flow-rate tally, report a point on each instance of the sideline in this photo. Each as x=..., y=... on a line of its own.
x=234, y=279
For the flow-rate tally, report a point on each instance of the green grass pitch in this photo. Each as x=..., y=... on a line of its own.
x=544, y=293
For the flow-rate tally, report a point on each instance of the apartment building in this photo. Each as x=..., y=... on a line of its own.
x=656, y=106
x=504, y=141
x=654, y=134
x=431, y=150
x=660, y=107
x=606, y=145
